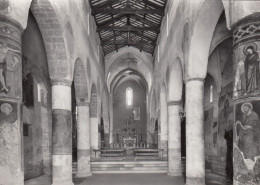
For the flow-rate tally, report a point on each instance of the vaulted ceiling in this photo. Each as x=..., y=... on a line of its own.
x=123, y=23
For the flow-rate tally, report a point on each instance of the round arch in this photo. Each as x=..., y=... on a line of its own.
x=175, y=80
x=58, y=64
x=80, y=81
x=201, y=39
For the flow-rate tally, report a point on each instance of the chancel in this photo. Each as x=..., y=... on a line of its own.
x=129, y=92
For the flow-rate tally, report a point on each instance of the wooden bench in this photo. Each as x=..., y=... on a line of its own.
x=147, y=152
x=112, y=152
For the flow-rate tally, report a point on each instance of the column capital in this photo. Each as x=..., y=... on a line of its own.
x=63, y=82
x=85, y=104
x=194, y=79
x=172, y=103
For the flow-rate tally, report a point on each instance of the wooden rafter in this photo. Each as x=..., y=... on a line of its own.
x=123, y=23
x=126, y=10
x=128, y=28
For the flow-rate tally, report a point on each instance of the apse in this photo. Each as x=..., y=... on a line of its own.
x=129, y=109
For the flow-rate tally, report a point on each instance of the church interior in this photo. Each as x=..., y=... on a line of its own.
x=129, y=92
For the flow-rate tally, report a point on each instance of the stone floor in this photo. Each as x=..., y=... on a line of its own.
x=126, y=179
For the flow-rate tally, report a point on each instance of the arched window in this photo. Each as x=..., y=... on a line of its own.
x=211, y=94
x=129, y=96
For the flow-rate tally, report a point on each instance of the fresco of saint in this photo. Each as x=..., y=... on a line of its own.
x=251, y=68
x=247, y=131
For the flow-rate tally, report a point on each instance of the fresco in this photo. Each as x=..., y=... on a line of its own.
x=62, y=130
x=247, y=75
x=246, y=142
x=8, y=112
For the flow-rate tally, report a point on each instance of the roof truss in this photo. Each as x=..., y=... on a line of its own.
x=123, y=23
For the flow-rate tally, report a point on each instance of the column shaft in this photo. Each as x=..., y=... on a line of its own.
x=111, y=139
x=11, y=132
x=62, y=134
x=195, y=157
x=164, y=125
x=246, y=150
x=83, y=133
x=174, y=140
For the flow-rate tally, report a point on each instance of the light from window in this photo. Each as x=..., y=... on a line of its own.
x=211, y=94
x=129, y=96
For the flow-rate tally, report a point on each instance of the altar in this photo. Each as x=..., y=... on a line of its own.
x=129, y=142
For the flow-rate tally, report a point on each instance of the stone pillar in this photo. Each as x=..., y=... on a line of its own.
x=164, y=124
x=195, y=157
x=111, y=138
x=11, y=132
x=94, y=134
x=246, y=147
x=83, y=133
x=174, y=139
x=62, y=133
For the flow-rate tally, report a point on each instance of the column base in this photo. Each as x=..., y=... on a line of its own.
x=63, y=183
x=195, y=181
x=83, y=175
x=174, y=174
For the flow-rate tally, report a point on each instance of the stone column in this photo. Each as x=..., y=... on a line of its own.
x=83, y=133
x=62, y=133
x=11, y=132
x=246, y=150
x=174, y=139
x=111, y=138
x=164, y=124
x=195, y=157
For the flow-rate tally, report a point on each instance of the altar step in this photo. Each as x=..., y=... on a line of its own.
x=112, y=167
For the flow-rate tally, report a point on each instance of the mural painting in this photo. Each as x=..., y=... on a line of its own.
x=247, y=146
x=247, y=78
x=62, y=129
x=8, y=112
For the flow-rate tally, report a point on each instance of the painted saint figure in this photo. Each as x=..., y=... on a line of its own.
x=7, y=113
x=251, y=65
x=247, y=131
x=3, y=53
x=4, y=67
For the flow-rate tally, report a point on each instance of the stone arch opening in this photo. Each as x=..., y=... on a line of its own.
x=53, y=39
x=79, y=97
x=174, y=93
x=36, y=110
x=218, y=103
x=200, y=40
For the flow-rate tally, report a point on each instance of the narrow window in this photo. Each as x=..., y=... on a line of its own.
x=129, y=96
x=211, y=94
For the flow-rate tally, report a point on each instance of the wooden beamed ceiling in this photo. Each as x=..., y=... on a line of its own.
x=123, y=23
